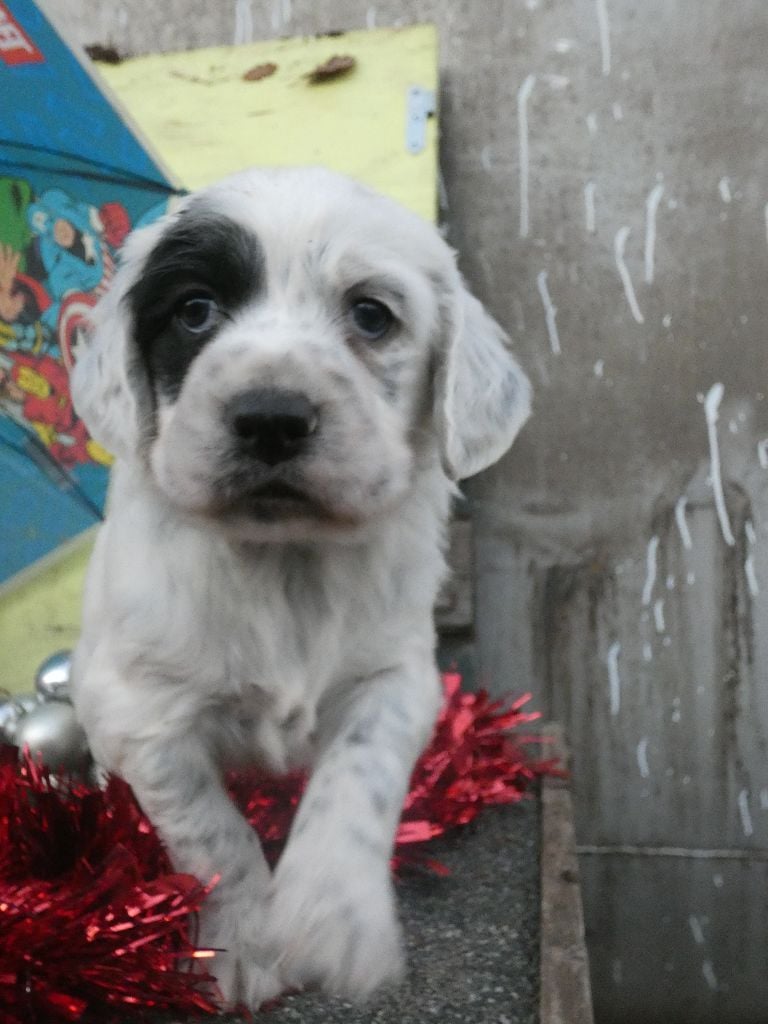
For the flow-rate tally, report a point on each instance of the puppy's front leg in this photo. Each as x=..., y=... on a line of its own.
x=180, y=790
x=332, y=917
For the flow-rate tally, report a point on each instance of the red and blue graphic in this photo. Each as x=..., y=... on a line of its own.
x=74, y=180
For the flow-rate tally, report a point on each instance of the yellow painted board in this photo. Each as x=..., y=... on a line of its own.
x=205, y=120
x=40, y=612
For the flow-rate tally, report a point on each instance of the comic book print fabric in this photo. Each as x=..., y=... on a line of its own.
x=74, y=180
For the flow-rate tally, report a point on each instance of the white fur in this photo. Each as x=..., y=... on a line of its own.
x=210, y=639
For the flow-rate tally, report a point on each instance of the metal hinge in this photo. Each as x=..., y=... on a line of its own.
x=421, y=105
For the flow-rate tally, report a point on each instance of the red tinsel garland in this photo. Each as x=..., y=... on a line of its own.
x=94, y=923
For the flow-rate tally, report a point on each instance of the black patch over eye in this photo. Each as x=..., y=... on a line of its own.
x=202, y=271
x=197, y=314
x=371, y=318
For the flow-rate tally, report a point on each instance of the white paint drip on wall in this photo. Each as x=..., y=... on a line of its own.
x=650, y=570
x=243, y=23
x=744, y=813
x=696, y=930
x=749, y=561
x=658, y=615
x=764, y=799
x=682, y=525
x=604, y=29
x=618, y=112
x=486, y=158
x=519, y=311
x=619, y=246
x=550, y=312
x=651, y=208
x=589, y=207
x=563, y=45
x=718, y=881
x=370, y=18
x=642, y=758
x=523, y=95
x=277, y=15
x=614, y=679
x=647, y=651
x=724, y=188
x=711, y=407
x=708, y=973
x=592, y=123
x=599, y=369
x=669, y=583
x=557, y=81
x=675, y=716
x=762, y=453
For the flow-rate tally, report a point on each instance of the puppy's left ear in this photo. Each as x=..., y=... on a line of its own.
x=482, y=397
x=109, y=387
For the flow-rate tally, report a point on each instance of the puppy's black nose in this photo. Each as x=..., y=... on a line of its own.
x=270, y=424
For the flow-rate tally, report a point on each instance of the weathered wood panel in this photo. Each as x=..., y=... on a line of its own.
x=565, y=994
x=679, y=945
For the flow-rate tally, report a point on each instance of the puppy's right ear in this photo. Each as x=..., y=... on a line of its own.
x=110, y=390
x=482, y=397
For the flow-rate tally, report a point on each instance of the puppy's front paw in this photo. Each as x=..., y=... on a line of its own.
x=243, y=981
x=338, y=931
x=241, y=965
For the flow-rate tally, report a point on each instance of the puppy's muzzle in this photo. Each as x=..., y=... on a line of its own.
x=271, y=425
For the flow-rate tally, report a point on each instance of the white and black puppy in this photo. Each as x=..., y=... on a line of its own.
x=291, y=375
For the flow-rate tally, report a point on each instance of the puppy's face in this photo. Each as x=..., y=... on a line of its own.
x=280, y=343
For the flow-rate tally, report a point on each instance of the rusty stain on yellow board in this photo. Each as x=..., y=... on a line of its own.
x=205, y=121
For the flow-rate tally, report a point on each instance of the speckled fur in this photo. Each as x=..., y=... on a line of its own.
x=212, y=639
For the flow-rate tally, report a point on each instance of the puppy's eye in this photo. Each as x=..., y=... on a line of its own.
x=371, y=318
x=197, y=313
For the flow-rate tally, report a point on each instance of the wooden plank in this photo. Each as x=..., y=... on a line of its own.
x=213, y=121
x=684, y=935
x=662, y=692
x=566, y=996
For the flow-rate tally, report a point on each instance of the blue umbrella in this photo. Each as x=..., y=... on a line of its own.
x=74, y=179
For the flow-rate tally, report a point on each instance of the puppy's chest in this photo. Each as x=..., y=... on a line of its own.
x=282, y=641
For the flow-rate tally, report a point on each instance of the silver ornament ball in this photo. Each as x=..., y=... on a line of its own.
x=52, y=679
x=51, y=731
x=9, y=716
x=11, y=713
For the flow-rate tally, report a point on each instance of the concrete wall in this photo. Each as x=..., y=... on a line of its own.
x=604, y=169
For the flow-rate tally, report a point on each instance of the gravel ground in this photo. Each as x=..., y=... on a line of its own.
x=473, y=938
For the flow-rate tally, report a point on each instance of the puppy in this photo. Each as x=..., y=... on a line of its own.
x=291, y=375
